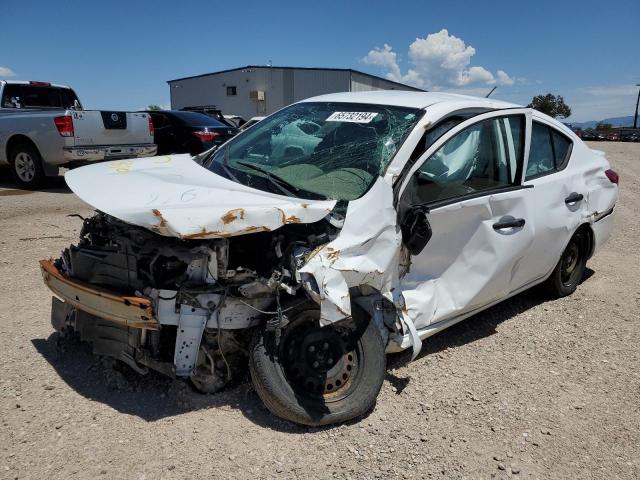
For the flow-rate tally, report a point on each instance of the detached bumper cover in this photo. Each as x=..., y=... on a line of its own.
x=136, y=312
x=92, y=153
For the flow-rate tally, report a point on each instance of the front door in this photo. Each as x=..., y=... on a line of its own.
x=470, y=182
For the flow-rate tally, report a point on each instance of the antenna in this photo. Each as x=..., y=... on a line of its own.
x=492, y=90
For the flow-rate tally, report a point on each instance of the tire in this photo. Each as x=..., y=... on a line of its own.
x=298, y=381
x=26, y=166
x=570, y=268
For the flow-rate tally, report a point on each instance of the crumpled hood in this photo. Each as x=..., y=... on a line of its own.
x=174, y=196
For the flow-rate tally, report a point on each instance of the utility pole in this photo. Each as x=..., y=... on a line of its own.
x=635, y=117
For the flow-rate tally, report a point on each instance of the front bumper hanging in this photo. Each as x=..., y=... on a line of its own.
x=135, y=312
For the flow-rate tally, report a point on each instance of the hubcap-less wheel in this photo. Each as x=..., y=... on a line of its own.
x=319, y=362
x=570, y=261
x=314, y=375
x=25, y=167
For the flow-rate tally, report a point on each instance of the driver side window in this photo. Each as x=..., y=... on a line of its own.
x=484, y=156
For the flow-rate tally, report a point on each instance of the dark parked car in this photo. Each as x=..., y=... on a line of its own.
x=188, y=132
x=630, y=137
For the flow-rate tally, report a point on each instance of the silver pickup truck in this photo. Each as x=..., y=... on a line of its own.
x=43, y=127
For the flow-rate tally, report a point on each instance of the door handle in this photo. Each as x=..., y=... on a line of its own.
x=512, y=223
x=574, y=197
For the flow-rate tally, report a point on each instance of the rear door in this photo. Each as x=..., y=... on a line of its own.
x=470, y=183
x=94, y=127
x=558, y=200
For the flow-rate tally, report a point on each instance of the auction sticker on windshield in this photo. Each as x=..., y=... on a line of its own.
x=354, y=117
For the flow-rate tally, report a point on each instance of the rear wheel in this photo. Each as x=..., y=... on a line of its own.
x=570, y=268
x=26, y=166
x=318, y=375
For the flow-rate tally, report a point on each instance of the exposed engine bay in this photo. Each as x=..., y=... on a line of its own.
x=206, y=294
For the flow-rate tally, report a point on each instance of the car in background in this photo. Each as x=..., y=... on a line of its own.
x=178, y=131
x=234, y=120
x=613, y=137
x=43, y=126
x=252, y=121
x=630, y=137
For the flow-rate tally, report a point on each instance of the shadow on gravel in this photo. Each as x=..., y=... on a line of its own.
x=151, y=397
x=53, y=184
x=478, y=326
x=154, y=397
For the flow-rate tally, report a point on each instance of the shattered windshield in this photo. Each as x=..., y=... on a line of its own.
x=317, y=150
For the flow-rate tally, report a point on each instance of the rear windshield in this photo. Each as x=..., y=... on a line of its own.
x=32, y=96
x=194, y=119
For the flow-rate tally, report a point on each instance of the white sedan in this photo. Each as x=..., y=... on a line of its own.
x=333, y=231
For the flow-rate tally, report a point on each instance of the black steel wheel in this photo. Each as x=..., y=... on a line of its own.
x=318, y=375
x=570, y=268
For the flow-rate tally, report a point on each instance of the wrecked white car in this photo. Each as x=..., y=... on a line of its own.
x=334, y=230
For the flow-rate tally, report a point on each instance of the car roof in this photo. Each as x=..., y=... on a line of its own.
x=29, y=82
x=403, y=98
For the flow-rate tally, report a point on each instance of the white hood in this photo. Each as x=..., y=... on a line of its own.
x=174, y=196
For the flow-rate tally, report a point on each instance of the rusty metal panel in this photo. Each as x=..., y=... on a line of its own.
x=134, y=312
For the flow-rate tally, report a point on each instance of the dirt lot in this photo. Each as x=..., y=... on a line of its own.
x=532, y=388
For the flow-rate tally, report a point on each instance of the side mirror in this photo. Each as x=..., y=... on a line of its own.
x=416, y=230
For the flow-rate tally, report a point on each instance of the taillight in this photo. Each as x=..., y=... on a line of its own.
x=205, y=136
x=612, y=176
x=64, y=124
x=152, y=131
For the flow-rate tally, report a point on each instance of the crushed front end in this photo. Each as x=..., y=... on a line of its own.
x=185, y=308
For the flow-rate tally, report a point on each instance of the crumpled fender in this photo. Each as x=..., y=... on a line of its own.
x=366, y=252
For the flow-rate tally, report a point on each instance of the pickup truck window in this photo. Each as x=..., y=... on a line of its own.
x=31, y=96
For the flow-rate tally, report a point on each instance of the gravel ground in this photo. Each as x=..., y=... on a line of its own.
x=531, y=388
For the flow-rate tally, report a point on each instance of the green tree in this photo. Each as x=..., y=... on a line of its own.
x=604, y=126
x=552, y=105
x=154, y=107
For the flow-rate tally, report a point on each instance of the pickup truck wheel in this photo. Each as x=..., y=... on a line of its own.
x=26, y=166
x=318, y=375
x=570, y=268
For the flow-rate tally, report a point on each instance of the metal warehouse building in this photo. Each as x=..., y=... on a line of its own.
x=254, y=90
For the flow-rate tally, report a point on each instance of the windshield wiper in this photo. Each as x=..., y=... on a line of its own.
x=278, y=181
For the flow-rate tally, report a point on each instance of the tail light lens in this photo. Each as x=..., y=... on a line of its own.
x=152, y=130
x=612, y=176
x=205, y=136
x=64, y=124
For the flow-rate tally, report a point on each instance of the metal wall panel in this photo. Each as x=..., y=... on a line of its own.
x=282, y=86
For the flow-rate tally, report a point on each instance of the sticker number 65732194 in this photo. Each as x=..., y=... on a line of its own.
x=353, y=117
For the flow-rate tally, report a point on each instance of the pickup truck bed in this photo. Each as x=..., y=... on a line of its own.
x=43, y=127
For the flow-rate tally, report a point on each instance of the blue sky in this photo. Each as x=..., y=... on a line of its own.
x=119, y=54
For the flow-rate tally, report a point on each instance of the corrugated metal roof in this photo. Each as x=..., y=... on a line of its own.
x=253, y=67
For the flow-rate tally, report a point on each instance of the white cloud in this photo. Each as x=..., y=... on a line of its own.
x=384, y=57
x=503, y=79
x=438, y=61
x=602, y=101
x=6, y=72
x=610, y=90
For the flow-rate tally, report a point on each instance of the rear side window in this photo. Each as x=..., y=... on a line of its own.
x=549, y=151
x=11, y=96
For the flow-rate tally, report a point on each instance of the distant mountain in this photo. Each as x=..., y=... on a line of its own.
x=615, y=121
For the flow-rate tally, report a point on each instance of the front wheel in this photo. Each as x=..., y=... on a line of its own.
x=570, y=268
x=318, y=375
